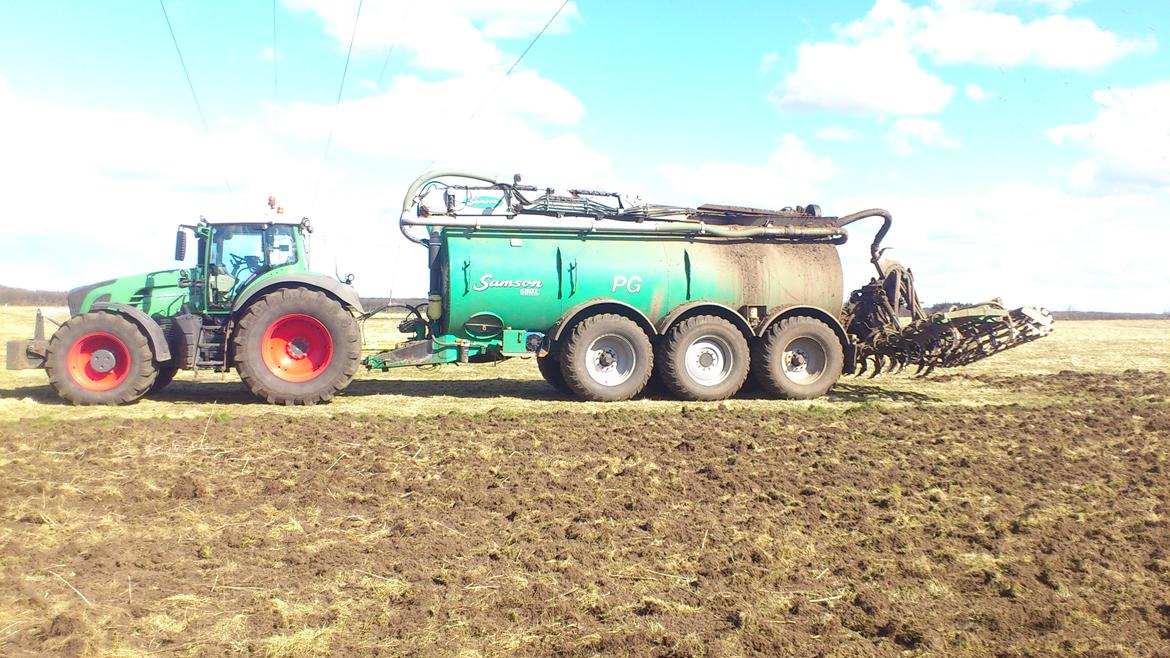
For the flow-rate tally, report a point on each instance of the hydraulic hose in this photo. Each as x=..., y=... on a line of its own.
x=833, y=232
x=887, y=221
x=410, y=199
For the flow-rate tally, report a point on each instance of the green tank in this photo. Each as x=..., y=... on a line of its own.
x=609, y=295
x=531, y=280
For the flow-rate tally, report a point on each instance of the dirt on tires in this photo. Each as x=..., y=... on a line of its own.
x=1006, y=530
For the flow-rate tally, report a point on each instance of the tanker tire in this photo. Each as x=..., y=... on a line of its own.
x=603, y=338
x=550, y=369
x=338, y=325
x=800, y=358
x=70, y=383
x=714, y=339
x=165, y=376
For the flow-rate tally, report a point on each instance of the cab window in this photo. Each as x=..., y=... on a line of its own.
x=241, y=252
x=282, y=245
x=238, y=251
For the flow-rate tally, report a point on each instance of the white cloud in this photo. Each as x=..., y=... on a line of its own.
x=528, y=128
x=1026, y=243
x=131, y=177
x=787, y=178
x=1053, y=5
x=767, y=62
x=456, y=36
x=874, y=76
x=1047, y=5
x=999, y=39
x=976, y=93
x=1129, y=140
x=116, y=184
x=910, y=132
x=270, y=54
x=873, y=65
x=838, y=134
x=109, y=187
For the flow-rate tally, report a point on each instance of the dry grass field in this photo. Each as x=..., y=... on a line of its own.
x=1016, y=507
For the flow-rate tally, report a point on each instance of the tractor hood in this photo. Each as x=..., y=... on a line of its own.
x=154, y=293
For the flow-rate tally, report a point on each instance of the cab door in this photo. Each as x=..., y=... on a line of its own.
x=235, y=255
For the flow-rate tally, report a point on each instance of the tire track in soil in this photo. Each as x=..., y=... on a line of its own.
x=956, y=531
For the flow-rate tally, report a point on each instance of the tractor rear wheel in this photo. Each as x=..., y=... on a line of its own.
x=100, y=358
x=297, y=346
x=703, y=358
x=800, y=358
x=607, y=358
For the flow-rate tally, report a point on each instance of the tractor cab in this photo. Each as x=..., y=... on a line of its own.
x=232, y=256
x=248, y=301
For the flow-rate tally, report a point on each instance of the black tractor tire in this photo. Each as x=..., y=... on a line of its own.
x=166, y=375
x=799, y=358
x=607, y=358
x=296, y=346
x=550, y=369
x=100, y=358
x=719, y=363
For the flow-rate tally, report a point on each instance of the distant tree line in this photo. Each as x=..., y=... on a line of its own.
x=1069, y=315
x=23, y=297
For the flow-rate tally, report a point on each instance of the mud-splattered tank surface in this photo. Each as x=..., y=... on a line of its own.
x=531, y=280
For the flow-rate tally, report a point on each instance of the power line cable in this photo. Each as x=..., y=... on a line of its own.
x=190, y=85
x=337, y=105
x=512, y=68
x=275, y=59
x=394, y=44
x=518, y=60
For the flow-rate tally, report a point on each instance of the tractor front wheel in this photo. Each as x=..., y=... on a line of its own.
x=100, y=358
x=297, y=346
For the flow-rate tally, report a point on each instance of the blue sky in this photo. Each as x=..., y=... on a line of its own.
x=1023, y=146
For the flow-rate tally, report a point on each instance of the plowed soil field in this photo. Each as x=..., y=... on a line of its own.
x=930, y=529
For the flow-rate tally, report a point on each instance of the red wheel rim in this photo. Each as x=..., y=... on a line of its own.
x=98, y=361
x=296, y=348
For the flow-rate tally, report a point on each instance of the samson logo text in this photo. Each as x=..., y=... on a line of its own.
x=486, y=281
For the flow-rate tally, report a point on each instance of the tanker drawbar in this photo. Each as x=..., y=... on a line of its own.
x=608, y=295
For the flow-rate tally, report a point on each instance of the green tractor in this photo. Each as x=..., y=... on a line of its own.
x=250, y=302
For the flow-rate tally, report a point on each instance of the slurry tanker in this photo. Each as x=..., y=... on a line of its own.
x=606, y=295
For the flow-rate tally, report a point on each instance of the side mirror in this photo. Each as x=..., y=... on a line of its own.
x=181, y=245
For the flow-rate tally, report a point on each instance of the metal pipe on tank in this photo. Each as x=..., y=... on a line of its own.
x=833, y=234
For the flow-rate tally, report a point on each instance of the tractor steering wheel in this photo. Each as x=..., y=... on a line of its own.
x=252, y=263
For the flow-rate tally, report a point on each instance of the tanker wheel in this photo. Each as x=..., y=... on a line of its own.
x=550, y=369
x=100, y=358
x=606, y=358
x=800, y=358
x=165, y=376
x=297, y=346
x=703, y=358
